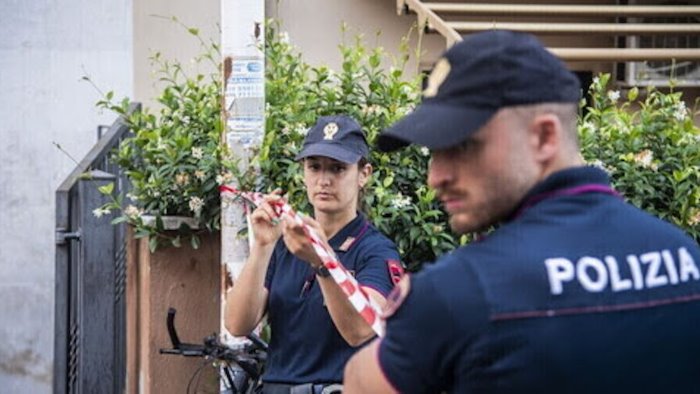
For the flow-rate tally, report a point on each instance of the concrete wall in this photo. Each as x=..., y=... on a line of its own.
x=45, y=48
x=155, y=30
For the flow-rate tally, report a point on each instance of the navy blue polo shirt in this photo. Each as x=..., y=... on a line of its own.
x=580, y=292
x=305, y=346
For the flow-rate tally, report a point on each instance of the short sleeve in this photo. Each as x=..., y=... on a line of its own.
x=430, y=330
x=373, y=272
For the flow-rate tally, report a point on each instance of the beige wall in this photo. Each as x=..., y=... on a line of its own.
x=154, y=31
x=314, y=27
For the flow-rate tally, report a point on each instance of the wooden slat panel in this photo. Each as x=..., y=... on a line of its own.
x=625, y=54
x=564, y=10
x=581, y=28
x=430, y=14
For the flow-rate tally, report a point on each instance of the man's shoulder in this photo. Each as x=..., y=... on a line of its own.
x=450, y=272
x=630, y=223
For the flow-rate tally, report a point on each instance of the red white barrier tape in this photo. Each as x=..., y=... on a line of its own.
x=363, y=304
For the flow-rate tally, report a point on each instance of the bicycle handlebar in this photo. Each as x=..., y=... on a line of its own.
x=249, y=358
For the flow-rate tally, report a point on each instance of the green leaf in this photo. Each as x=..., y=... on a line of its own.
x=633, y=94
x=153, y=244
x=159, y=223
x=194, y=241
x=118, y=219
x=106, y=189
x=141, y=233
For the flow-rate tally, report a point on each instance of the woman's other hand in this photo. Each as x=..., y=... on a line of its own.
x=265, y=222
x=298, y=241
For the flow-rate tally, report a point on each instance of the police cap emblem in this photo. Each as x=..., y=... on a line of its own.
x=437, y=77
x=330, y=130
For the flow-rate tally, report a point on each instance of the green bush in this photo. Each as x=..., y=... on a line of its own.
x=652, y=153
x=650, y=147
x=372, y=87
x=174, y=160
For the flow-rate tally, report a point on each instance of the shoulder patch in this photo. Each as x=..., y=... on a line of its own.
x=396, y=270
x=396, y=297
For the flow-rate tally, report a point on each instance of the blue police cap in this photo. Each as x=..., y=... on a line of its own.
x=473, y=80
x=339, y=137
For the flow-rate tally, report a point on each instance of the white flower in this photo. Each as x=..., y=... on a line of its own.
x=401, y=202
x=224, y=178
x=284, y=37
x=99, y=212
x=333, y=77
x=197, y=153
x=680, y=111
x=131, y=197
x=372, y=109
x=598, y=164
x=614, y=95
x=588, y=126
x=645, y=159
x=694, y=219
x=199, y=174
x=196, y=205
x=424, y=151
x=596, y=81
x=182, y=179
x=132, y=212
x=285, y=130
x=301, y=129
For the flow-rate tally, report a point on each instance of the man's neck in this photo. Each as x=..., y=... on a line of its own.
x=559, y=163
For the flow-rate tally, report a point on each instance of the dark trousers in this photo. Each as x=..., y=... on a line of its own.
x=306, y=388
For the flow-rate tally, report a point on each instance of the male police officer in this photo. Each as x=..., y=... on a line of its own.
x=575, y=291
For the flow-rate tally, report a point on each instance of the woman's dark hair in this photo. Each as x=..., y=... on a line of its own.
x=361, y=201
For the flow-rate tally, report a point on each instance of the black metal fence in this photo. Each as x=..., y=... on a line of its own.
x=90, y=305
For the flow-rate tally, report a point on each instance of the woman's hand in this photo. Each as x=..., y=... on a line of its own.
x=264, y=221
x=298, y=241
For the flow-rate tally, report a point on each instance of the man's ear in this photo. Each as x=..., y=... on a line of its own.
x=365, y=173
x=546, y=136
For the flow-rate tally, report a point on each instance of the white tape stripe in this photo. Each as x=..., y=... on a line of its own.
x=358, y=301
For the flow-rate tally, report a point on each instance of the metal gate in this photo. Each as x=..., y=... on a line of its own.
x=90, y=305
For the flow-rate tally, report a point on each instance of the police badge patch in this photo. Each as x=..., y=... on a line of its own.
x=396, y=270
x=396, y=297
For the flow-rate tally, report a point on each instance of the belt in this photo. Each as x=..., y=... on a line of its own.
x=305, y=388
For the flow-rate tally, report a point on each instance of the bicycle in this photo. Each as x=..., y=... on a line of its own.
x=241, y=366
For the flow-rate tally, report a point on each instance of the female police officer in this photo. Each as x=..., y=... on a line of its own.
x=314, y=327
